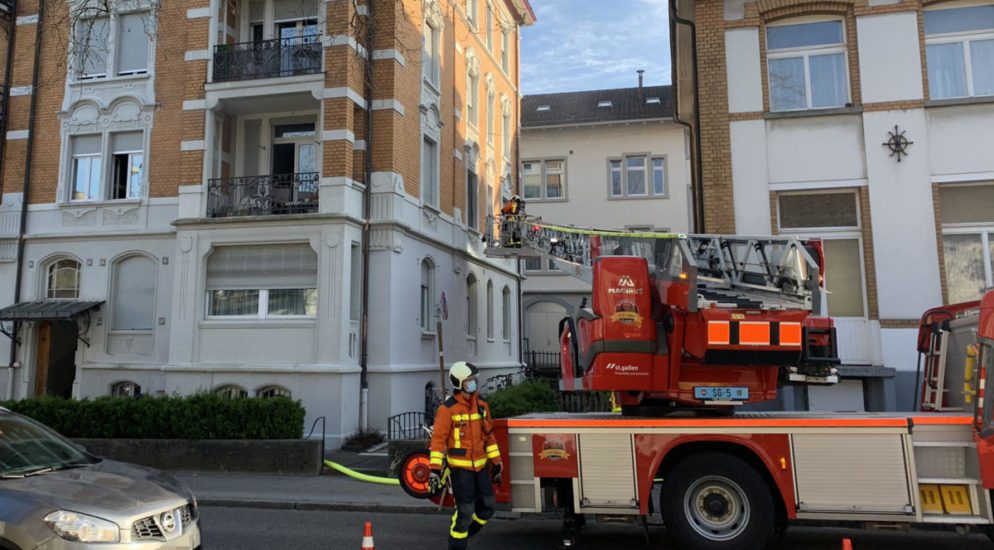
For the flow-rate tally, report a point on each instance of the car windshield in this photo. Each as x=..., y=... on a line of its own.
x=27, y=448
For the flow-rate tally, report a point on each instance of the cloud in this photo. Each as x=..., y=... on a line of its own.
x=592, y=44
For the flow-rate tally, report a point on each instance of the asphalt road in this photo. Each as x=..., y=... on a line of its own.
x=250, y=528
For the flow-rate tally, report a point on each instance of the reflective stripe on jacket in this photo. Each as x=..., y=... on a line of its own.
x=463, y=434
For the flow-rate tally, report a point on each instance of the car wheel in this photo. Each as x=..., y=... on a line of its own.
x=715, y=501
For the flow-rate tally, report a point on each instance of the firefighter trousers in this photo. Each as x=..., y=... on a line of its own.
x=474, y=505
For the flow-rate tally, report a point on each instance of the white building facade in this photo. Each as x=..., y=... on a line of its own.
x=609, y=159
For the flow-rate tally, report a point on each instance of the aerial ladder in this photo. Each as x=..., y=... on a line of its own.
x=683, y=322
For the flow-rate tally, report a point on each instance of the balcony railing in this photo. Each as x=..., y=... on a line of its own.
x=263, y=195
x=267, y=59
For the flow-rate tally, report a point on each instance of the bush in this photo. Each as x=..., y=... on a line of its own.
x=526, y=397
x=200, y=416
x=363, y=439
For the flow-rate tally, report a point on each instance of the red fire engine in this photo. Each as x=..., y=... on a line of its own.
x=682, y=329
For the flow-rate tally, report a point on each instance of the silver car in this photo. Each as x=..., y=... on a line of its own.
x=54, y=496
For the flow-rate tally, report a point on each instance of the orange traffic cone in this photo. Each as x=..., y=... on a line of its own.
x=367, y=537
x=846, y=543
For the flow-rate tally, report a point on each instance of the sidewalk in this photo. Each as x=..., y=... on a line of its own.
x=326, y=492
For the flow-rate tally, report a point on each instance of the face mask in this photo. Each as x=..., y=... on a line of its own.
x=470, y=386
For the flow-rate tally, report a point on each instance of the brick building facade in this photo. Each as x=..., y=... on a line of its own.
x=200, y=201
x=857, y=122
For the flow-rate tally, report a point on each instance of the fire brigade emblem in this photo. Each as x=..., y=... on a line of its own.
x=553, y=449
x=626, y=312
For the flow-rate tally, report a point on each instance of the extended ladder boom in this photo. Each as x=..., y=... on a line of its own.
x=725, y=271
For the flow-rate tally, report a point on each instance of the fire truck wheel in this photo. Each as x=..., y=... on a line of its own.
x=414, y=472
x=715, y=501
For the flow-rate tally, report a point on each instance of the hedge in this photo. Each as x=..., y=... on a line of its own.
x=200, y=416
x=527, y=397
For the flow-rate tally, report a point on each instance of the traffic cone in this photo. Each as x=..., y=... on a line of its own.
x=367, y=537
x=846, y=543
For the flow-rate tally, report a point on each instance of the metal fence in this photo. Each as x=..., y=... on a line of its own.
x=542, y=363
x=263, y=195
x=281, y=57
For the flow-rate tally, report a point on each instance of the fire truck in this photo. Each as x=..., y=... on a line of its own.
x=685, y=328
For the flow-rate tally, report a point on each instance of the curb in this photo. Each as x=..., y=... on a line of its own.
x=372, y=507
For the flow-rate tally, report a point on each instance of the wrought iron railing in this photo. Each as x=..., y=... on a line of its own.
x=7, y=9
x=405, y=426
x=267, y=59
x=263, y=195
x=542, y=363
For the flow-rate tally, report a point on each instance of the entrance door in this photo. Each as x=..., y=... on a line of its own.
x=295, y=168
x=55, y=366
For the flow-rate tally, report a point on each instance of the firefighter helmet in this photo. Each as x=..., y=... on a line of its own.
x=460, y=371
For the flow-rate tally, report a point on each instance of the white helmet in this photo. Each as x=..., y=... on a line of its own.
x=460, y=371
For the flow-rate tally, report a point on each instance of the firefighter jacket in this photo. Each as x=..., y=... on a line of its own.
x=463, y=434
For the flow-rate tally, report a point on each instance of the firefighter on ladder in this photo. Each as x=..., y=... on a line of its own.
x=463, y=436
x=514, y=209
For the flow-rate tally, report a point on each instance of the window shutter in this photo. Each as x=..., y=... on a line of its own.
x=86, y=145
x=133, y=44
x=261, y=267
x=134, y=294
x=126, y=142
x=298, y=9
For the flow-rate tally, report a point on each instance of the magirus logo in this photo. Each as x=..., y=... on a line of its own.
x=626, y=281
x=625, y=286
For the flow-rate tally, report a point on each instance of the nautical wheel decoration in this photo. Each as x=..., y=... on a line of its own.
x=898, y=143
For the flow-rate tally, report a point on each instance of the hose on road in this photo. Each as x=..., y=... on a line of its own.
x=360, y=476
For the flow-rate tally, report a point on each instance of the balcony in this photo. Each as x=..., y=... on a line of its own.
x=263, y=195
x=281, y=57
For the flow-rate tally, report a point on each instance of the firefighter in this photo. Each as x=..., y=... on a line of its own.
x=463, y=436
x=513, y=210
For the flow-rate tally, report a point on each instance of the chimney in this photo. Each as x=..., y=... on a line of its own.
x=641, y=89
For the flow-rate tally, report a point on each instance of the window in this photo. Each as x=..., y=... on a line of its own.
x=543, y=108
x=490, y=310
x=505, y=329
x=967, y=239
x=86, y=167
x=116, y=45
x=506, y=135
x=429, y=55
x=834, y=218
x=605, y=103
x=126, y=180
x=490, y=28
x=125, y=158
x=807, y=66
x=472, y=200
x=544, y=179
x=265, y=281
x=134, y=294
x=536, y=265
x=427, y=286
x=959, y=51
x=355, y=282
x=429, y=172
x=637, y=176
x=231, y=391
x=266, y=392
x=472, y=96
x=653, y=101
x=472, y=322
x=491, y=129
x=505, y=50
x=472, y=8
x=125, y=388
x=63, y=280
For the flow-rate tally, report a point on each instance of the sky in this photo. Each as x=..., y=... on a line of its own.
x=594, y=44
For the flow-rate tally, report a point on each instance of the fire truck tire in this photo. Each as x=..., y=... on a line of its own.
x=716, y=501
x=413, y=474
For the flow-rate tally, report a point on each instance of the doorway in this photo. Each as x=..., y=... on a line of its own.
x=55, y=364
x=294, y=167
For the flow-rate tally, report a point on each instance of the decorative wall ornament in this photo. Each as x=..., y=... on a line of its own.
x=897, y=143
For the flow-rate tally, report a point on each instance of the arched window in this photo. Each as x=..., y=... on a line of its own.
x=427, y=291
x=232, y=391
x=505, y=329
x=472, y=320
x=272, y=390
x=134, y=294
x=125, y=388
x=63, y=280
x=490, y=310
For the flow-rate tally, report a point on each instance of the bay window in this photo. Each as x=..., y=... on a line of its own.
x=959, y=51
x=106, y=167
x=807, y=65
x=264, y=281
x=113, y=45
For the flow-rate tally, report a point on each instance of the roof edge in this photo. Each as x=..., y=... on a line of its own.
x=597, y=123
x=523, y=10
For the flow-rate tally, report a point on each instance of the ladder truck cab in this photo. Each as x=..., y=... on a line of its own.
x=684, y=323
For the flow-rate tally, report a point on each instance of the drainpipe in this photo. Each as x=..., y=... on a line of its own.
x=697, y=175
x=366, y=200
x=517, y=183
x=26, y=188
x=7, y=80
